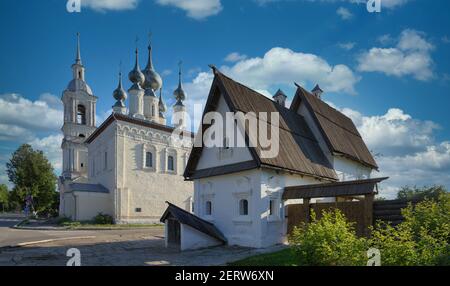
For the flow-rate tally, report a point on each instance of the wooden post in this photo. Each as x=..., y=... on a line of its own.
x=306, y=202
x=368, y=213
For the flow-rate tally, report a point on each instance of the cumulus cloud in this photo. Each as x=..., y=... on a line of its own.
x=284, y=66
x=235, y=57
x=394, y=133
x=410, y=57
x=110, y=5
x=388, y=4
x=51, y=146
x=196, y=9
x=344, y=13
x=347, y=46
x=405, y=148
x=21, y=114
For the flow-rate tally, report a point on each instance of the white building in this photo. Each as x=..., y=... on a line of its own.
x=241, y=195
x=130, y=165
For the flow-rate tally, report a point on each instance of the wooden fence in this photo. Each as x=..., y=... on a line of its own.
x=390, y=211
x=354, y=211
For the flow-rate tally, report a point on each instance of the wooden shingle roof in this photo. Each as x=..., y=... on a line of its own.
x=338, y=130
x=299, y=151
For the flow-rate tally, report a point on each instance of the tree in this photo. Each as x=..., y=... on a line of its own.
x=421, y=240
x=4, y=197
x=420, y=194
x=328, y=241
x=32, y=174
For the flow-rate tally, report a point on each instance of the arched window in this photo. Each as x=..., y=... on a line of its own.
x=81, y=114
x=148, y=159
x=208, y=208
x=243, y=207
x=170, y=163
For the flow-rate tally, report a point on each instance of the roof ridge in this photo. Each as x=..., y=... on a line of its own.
x=288, y=110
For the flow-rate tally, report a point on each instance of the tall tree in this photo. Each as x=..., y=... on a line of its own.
x=421, y=193
x=4, y=197
x=32, y=174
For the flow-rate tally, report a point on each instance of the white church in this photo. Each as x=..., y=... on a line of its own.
x=129, y=165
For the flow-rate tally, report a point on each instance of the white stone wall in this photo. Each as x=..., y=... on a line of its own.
x=348, y=170
x=83, y=206
x=138, y=193
x=194, y=239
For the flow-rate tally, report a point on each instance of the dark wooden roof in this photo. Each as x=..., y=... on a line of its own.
x=193, y=221
x=339, y=132
x=299, y=150
x=336, y=189
x=129, y=119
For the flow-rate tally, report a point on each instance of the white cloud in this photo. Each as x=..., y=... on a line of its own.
x=51, y=146
x=385, y=39
x=19, y=113
x=235, y=57
x=196, y=9
x=110, y=5
x=389, y=4
x=445, y=40
x=410, y=57
x=347, y=46
x=406, y=149
x=344, y=13
x=394, y=133
x=284, y=66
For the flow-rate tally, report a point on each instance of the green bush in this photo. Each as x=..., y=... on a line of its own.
x=103, y=219
x=421, y=240
x=329, y=241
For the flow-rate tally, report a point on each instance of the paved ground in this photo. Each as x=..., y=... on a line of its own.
x=108, y=248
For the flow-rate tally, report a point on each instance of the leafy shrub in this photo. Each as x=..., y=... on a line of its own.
x=103, y=219
x=329, y=241
x=422, y=239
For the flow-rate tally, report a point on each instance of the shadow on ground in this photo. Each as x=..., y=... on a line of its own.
x=145, y=252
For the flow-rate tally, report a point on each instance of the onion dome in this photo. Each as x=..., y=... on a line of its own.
x=136, y=76
x=79, y=85
x=162, y=105
x=152, y=78
x=119, y=93
x=149, y=92
x=179, y=93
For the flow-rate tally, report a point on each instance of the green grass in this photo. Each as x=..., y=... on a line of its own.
x=285, y=257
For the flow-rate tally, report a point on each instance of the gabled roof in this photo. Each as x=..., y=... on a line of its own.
x=193, y=221
x=338, y=130
x=299, y=151
x=87, y=188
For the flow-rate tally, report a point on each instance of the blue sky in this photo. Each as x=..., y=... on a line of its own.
x=388, y=71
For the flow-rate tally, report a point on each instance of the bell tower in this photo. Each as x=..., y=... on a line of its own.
x=79, y=121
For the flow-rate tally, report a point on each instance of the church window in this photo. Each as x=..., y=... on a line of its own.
x=153, y=110
x=138, y=210
x=148, y=159
x=271, y=207
x=170, y=163
x=82, y=136
x=243, y=207
x=208, y=208
x=81, y=115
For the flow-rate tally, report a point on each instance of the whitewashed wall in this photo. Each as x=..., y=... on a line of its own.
x=194, y=239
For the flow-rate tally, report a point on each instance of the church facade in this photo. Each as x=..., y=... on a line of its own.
x=132, y=163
